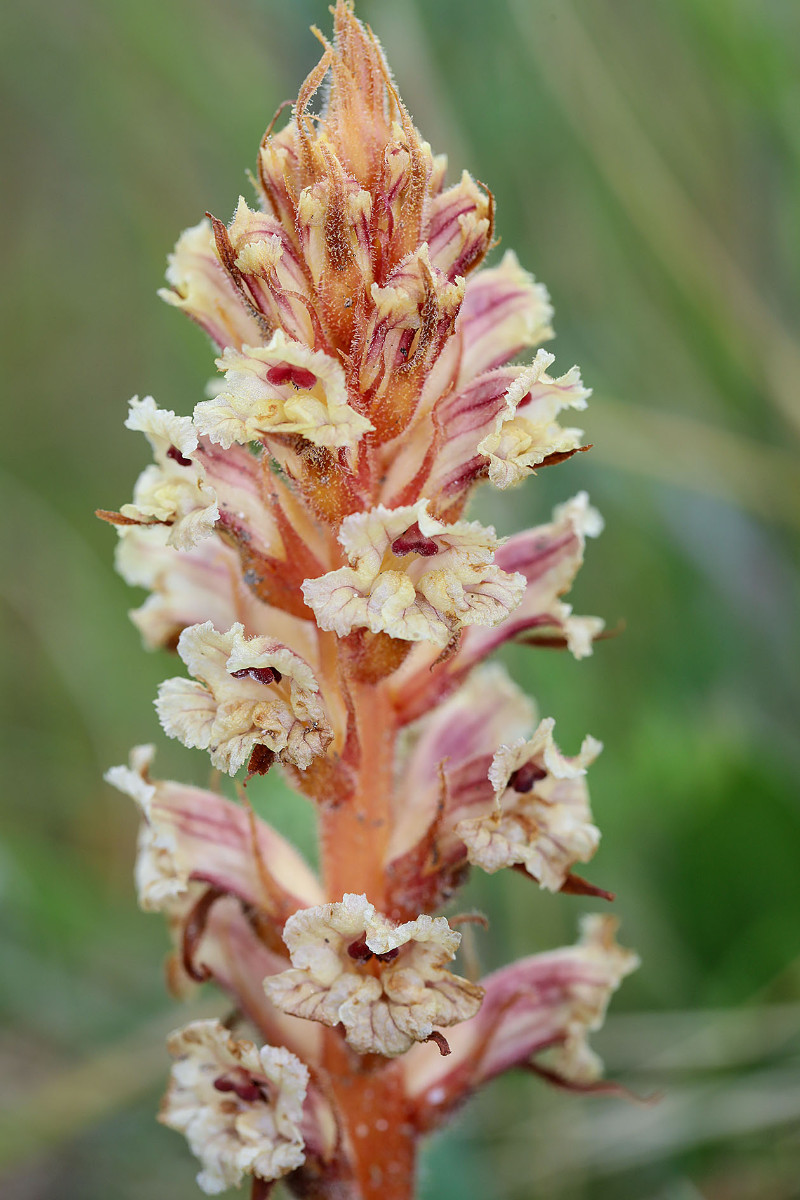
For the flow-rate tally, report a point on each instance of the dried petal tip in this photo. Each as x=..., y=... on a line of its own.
x=385, y=983
x=162, y=877
x=541, y=817
x=247, y=692
x=413, y=577
x=239, y=1107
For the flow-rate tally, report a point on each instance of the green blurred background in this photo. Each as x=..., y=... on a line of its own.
x=645, y=158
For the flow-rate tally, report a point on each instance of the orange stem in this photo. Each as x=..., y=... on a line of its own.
x=354, y=834
x=371, y=1104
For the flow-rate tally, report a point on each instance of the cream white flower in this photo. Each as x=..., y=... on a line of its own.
x=247, y=692
x=605, y=964
x=459, y=227
x=548, y=557
x=385, y=983
x=239, y=1107
x=413, y=577
x=413, y=317
x=541, y=816
x=266, y=257
x=281, y=388
x=527, y=432
x=456, y=742
x=172, y=490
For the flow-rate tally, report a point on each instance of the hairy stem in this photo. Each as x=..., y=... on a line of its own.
x=372, y=1107
x=354, y=835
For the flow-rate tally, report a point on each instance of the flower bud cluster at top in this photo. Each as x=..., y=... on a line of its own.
x=303, y=540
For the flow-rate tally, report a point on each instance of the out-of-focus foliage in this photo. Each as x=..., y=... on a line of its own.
x=646, y=164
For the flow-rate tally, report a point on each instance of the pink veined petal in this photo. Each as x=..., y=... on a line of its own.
x=201, y=836
x=200, y=287
x=455, y=744
x=504, y=312
x=548, y=1002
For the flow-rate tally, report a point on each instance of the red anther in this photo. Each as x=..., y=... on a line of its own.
x=174, y=453
x=389, y=956
x=260, y=674
x=413, y=541
x=298, y=377
x=245, y=1088
x=526, y=776
x=359, y=950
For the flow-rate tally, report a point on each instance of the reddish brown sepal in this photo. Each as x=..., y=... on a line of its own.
x=574, y=885
x=193, y=932
x=561, y=456
x=373, y=656
x=596, y=1087
x=441, y=1042
x=115, y=518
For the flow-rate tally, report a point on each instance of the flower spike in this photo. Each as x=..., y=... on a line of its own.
x=305, y=543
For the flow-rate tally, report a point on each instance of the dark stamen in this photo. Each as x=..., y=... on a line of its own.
x=193, y=931
x=298, y=377
x=174, y=453
x=389, y=956
x=413, y=541
x=526, y=776
x=261, y=759
x=359, y=950
x=247, y=1090
x=260, y=674
x=441, y=1042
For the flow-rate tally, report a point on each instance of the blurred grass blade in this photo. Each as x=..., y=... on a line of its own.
x=606, y=1138
x=78, y=1097
x=677, y=232
x=689, y=453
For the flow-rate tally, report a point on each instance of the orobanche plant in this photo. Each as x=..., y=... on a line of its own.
x=304, y=542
